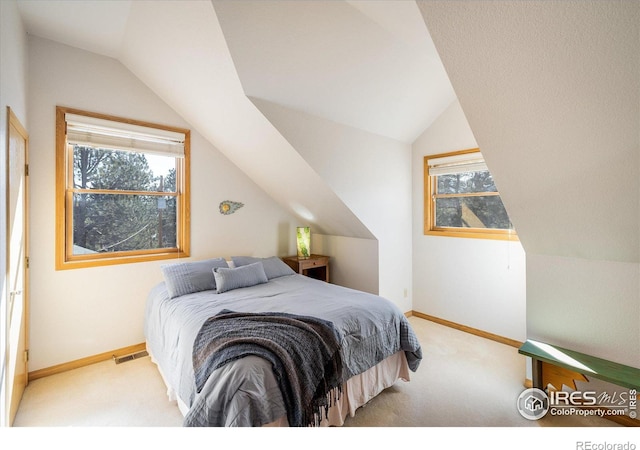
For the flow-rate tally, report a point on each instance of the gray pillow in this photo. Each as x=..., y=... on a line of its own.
x=228, y=279
x=189, y=277
x=274, y=267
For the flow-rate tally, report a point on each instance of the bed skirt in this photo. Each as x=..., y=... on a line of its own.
x=356, y=392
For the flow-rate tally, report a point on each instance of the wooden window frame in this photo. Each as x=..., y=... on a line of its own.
x=429, y=208
x=65, y=259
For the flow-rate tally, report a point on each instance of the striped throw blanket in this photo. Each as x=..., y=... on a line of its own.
x=304, y=352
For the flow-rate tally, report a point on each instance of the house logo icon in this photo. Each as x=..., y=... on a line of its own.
x=533, y=404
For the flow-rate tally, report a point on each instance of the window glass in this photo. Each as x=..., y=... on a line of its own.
x=466, y=182
x=96, y=168
x=104, y=223
x=472, y=212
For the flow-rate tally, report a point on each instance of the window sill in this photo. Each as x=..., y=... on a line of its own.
x=98, y=262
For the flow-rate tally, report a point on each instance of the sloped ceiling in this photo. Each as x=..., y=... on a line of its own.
x=552, y=93
x=92, y=25
x=370, y=65
x=367, y=64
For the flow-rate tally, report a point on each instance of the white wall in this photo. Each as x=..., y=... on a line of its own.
x=372, y=175
x=552, y=93
x=83, y=312
x=474, y=282
x=353, y=261
x=178, y=50
x=13, y=93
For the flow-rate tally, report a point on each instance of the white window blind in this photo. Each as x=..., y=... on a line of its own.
x=470, y=162
x=102, y=133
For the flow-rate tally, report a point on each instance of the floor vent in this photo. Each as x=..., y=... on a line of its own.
x=131, y=357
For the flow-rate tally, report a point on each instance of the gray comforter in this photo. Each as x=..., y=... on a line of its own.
x=245, y=392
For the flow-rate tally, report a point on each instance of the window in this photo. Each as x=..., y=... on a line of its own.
x=122, y=190
x=461, y=198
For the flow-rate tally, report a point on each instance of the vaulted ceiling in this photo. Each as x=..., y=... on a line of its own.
x=370, y=65
x=535, y=106
x=367, y=64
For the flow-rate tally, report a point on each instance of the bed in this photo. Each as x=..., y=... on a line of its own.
x=377, y=346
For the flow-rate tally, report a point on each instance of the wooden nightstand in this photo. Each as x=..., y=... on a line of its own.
x=315, y=266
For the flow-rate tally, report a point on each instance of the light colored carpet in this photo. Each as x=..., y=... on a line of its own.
x=463, y=381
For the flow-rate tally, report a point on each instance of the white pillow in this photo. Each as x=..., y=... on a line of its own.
x=274, y=267
x=192, y=276
x=228, y=279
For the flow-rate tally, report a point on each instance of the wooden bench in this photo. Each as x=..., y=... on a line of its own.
x=615, y=373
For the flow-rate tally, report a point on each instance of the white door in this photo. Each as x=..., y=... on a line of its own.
x=17, y=265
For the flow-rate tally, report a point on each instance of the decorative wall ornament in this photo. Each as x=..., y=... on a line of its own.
x=228, y=207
